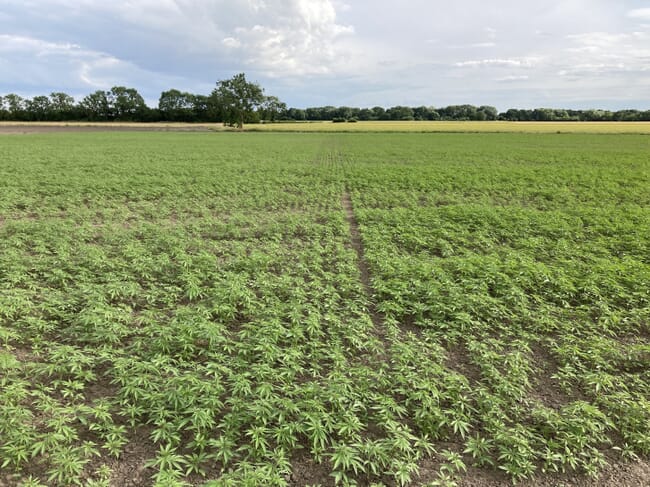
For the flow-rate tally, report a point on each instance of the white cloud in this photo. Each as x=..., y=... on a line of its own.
x=605, y=40
x=510, y=79
x=299, y=37
x=65, y=66
x=231, y=42
x=476, y=45
x=640, y=13
x=604, y=52
x=491, y=33
x=527, y=62
x=341, y=6
x=53, y=57
x=375, y=52
x=21, y=44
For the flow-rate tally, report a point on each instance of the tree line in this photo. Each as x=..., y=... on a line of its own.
x=236, y=101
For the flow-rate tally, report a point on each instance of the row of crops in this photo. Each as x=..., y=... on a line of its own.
x=188, y=309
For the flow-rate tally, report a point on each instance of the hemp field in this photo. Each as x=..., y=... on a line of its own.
x=302, y=309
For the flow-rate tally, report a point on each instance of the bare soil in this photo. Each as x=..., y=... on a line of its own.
x=364, y=270
x=27, y=129
x=636, y=474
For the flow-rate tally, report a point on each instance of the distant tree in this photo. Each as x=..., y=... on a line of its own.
x=515, y=115
x=328, y=112
x=217, y=108
x=343, y=112
x=470, y=112
x=560, y=115
x=38, y=108
x=15, y=106
x=511, y=115
x=203, y=110
x=355, y=113
x=126, y=103
x=96, y=106
x=378, y=113
x=62, y=106
x=177, y=106
x=365, y=114
x=296, y=114
x=542, y=115
x=421, y=113
x=314, y=113
x=426, y=113
x=400, y=113
x=272, y=108
x=239, y=99
x=491, y=113
x=479, y=116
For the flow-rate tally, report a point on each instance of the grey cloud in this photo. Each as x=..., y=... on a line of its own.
x=364, y=52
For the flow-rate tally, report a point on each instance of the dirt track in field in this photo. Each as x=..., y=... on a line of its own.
x=27, y=129
x=362, y=264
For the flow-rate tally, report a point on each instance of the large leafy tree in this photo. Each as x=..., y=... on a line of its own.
x=62, y=106
x=126, y=103
x=15, y=106
x=272, y=108
x=39, y=108
x=238, y=99
x=176, y=106
x=96, y=106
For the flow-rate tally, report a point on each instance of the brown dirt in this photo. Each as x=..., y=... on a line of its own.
x=378, y=319
x=22, y=353
x=635, y=474
x=100, y=389
x=364, y=270
x=617, y=474
x=129, y=470
x=545, y=388
x=458, y=359
x=305, y=471
x=26, y=129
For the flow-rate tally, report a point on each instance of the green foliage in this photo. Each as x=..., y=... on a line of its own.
x=238, y=98
x=198, y=294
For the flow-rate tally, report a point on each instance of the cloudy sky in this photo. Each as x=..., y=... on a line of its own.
x=507, y=53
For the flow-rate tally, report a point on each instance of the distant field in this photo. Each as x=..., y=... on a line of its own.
x=506, y=127
x=469, y=127
x=276, y=309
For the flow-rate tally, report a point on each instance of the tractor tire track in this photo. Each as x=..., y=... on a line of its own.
x=356, y=243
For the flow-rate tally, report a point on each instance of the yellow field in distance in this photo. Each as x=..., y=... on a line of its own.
x=487, y=127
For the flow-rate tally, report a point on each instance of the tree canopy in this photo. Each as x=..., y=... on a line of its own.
x=238, y=98
x=236, y=101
